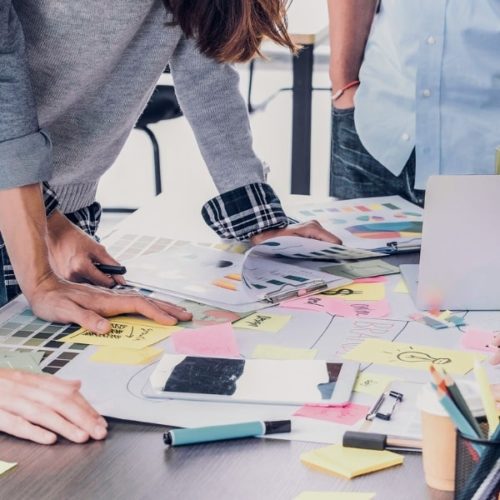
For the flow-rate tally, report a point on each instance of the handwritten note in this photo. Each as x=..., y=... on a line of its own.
x=263, y=322
x=5, y=466
x=27, y=361
x=124, y=356
x=358, y=309
x=126, y=331
x=359, y=291
x=317, y=303
x=372, y=383
x=215, y=340
x=476, y=339
x=349, y=462
x=346, y=415
x=417, y=357
x=267, y=351
x=334, y=495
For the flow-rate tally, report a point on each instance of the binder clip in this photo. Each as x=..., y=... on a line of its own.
x=375, y=410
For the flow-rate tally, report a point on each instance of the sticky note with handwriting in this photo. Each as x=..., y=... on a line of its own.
x=349, y=462
x=263, y=322
x=359, y=291
x=350, y=414
x=214, y=340
x=126, y=331
x=267, y=351
x=417, y=357
x=124, y=356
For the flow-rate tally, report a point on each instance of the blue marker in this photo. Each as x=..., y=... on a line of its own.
x=180, y=437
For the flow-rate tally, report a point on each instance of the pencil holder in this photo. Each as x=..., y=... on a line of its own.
x=475, y=459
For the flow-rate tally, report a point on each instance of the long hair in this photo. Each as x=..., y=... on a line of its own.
x=232, y=30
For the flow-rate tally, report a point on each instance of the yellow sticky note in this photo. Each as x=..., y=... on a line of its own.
x=266, y=351
x=263, y=322
x=128, y=332
x=334, y=495
x=372, y=383
x=124, y=356
x=359, y=291
x=418, y=357
x=349, y=462
x=401, y=287
x=486, y=397
x=5, y=466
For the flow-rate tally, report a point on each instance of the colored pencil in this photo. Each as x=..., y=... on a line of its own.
x=487, y=397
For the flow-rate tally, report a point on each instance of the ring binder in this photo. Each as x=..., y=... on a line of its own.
x=298, y=291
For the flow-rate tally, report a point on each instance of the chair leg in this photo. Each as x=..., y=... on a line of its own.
x=156, y=157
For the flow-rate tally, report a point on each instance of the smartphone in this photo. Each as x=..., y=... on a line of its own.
x=288, y=382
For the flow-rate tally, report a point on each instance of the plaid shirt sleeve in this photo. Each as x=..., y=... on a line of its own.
x=245, y=212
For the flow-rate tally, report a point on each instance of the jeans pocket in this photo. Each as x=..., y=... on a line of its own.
x=342, y=111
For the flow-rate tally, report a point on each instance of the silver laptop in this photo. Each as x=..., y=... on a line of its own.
x=460, y=256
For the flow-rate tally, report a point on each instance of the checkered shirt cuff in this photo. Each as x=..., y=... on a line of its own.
x=244, y=212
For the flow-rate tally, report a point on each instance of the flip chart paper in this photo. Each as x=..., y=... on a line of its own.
x=5, y=466
x=27, y=361
x=478, y=340
x=215, y=340
x=349, y=462
x=267, y=351
x=346, y=415
x=128, y=332
x=359, y=291
x=401, y=287
x=334, y=495
x=263, y=322
x=124, y=356
x=372, y=383
x=417, y=357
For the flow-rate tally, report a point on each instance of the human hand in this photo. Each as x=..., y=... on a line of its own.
x=72, y=254
x=39, y=407
x=312, y=229
x=54, y=299
x=346, y=100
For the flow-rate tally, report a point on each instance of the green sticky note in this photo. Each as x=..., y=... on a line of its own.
x=28, y=361
x=362, y=269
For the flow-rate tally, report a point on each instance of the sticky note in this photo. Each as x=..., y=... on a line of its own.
x=349, y=462
x=27, y=361
x=374, y=279
x=312, y=303
x=5, y=466
x=372, y=383
x=359, y=291
x=476, y=339
x=346, y=415
x=128, y=332
x=401, y=287
x=267, y=351
x=124, y=356
x=418, y=357
x=263, y=322
x=334, y=495
x=214, y=340
x=358, y=309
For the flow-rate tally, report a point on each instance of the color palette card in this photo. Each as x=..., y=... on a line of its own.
x=349, y=462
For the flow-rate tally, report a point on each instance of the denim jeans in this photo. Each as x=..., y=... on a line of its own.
x=354, y=173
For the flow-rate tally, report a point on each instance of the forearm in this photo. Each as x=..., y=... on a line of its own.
x=23, y=225
x=350, y=23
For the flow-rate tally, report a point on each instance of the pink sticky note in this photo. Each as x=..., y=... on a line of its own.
x=214, y=340
x=373, y=279
x=355, y=309
x=478, y=340
x=311, y=303
x=347, y=415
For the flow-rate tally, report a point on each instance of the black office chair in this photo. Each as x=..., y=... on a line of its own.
x=163, y=105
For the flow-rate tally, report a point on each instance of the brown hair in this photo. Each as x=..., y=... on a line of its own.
x=232, y=30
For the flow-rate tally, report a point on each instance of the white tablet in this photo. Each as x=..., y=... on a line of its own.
x=288, y=382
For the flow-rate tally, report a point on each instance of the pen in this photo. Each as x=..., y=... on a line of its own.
x=108, y=269
x=181, y=437
x=375, y=441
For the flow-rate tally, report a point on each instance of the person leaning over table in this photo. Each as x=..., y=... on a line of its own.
x=74, y=78
x=425, y=94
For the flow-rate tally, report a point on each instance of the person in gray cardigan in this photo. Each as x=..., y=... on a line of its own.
x=74, y=78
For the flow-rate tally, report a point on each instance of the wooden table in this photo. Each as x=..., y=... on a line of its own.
x=134, y=464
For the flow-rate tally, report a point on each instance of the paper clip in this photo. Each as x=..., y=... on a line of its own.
x=374, y=410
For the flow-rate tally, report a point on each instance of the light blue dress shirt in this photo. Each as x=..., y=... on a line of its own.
x=430, y=80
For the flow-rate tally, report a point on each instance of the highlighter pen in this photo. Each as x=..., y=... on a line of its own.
x=108, y=269
x=181, y=437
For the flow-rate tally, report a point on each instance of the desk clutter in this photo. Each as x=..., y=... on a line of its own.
x=298, y=309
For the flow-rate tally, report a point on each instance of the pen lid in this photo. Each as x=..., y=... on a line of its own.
x=365, y=440
x=277, y=426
